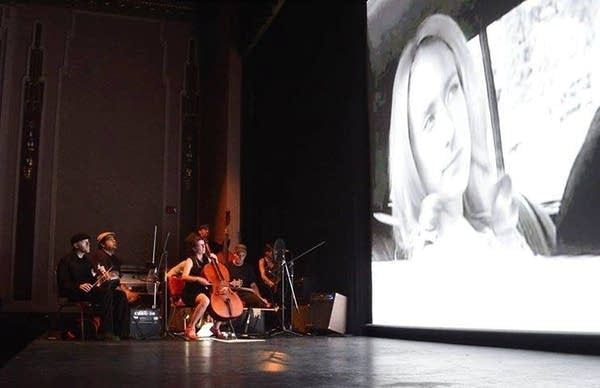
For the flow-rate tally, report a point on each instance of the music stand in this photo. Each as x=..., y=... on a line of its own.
x=164, y=257
x=154, y=279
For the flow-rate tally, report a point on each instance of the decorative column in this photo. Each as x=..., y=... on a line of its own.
x=190, y=110
x=32, y=103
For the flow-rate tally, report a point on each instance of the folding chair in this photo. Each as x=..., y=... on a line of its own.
x=86, y=311
x=178, y=311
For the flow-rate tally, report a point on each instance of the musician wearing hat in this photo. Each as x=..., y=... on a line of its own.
x=105, y=261
x=105, y=255
x=77, y=282
x=243, y=279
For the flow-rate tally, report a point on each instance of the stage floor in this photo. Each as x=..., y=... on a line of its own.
x=311, y=361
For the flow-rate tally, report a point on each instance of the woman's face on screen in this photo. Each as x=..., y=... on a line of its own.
x=439, y=131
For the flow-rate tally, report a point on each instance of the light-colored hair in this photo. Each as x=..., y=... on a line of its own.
x=407, y=190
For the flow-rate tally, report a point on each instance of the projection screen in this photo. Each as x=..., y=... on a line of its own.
x=485, y=165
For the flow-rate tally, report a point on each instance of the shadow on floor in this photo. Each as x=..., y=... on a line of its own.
x=17, y=330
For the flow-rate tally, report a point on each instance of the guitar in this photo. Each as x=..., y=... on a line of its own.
x=132, y=296
x=237, y=285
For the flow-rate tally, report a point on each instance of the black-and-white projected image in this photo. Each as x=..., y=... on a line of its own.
x=485, y=182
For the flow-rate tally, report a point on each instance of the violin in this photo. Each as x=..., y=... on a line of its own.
x=106, y=275
x=273, y=271
x=225, y=303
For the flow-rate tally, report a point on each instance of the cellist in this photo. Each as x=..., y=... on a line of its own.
x=196, y=292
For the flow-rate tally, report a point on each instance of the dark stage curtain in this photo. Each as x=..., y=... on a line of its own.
x=305, y=153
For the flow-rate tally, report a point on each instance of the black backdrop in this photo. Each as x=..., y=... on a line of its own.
x=305, y=152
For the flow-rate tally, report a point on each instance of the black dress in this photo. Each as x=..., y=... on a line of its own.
x=192, y=289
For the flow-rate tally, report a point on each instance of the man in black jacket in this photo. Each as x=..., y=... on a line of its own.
x=79, y=280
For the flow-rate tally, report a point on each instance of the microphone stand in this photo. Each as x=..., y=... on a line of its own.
x=164, y=258
x=279, y=255
x=305, y=252
x=153, y=271
x=285, y=270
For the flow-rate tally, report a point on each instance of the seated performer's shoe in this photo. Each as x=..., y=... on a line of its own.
x=217, y=333
x=190, y=334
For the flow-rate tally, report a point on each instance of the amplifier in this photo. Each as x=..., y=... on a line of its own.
x=300, y=318
x=145, y=323
x=327, y=312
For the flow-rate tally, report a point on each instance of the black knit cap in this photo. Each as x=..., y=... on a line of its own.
x=78, y=237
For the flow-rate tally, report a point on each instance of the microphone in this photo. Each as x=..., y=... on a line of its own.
x=163, y=256
x=166, y=241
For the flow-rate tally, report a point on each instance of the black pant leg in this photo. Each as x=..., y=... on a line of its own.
x=121, y=314
x=104, y=298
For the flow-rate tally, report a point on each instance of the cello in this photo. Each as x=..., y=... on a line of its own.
x=225, y=303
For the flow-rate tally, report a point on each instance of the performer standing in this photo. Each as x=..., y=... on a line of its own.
x=105, y=259
x=76, y=281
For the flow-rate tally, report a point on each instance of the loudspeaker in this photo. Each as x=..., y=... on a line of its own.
x=178, y=318
x=252, y=321
x=145, y=323
x=300, y=318
x=328, y=312
x=303, y=288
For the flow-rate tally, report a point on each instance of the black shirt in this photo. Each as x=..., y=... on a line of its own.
x=106, y=260
x=244, y=272
x=73, y=271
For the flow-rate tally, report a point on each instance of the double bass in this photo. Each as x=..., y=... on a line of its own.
x=225, y=303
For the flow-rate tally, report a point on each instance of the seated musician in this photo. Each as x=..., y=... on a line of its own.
x=196, y=292
x=270, y=273
x=76, y=281
x=175, y=272
x=177, y=269
x=104, y=259
x=243, y=279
